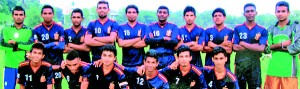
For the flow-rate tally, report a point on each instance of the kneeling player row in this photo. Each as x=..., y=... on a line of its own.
x=107, y=74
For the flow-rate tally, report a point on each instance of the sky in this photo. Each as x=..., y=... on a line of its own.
x=232, y=7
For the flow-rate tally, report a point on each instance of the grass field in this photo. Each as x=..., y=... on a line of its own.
x=264, y=65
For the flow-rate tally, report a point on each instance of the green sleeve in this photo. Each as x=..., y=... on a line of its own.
x=3, y=45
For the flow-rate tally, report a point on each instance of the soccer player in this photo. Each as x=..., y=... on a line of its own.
x=192, y=35
x=35, y=73
x=185, y=75
x=131, y=38
x=75, y=36
x=284, y=44
x=219, y=35
x=15, y=40
x=151, y=79
x=163, y=37
x=72, y=69
x=218, y=76
x=101, y=31
x=250, y=39
x=108, y=75
x=51, y=35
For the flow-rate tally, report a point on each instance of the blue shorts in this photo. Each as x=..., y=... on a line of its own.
x=10, y=77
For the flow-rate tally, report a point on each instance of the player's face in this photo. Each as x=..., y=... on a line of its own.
x=150, y=64
x=73, y=65
x=47, y=15
x=18, y=16
x=76, y=19
x=36, y=55
x=189, y=17
x=250, y=13
x=108, y=58
x=162, y=15
x=219, y=60
x=219, y=18
x=131, y=15
x=184, y=58
x=102, y=10
x=282, y=13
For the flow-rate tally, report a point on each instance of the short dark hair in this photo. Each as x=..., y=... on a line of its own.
x=218, y=50
x=249, y=4
x=283, y=3
x=188, y=9
x=17, y=8
x=47, y=6
x=77, y=10
x=110, y=48
x=38, y=46
x=103, y=2
x=221, y=10
x=183, y=48
x=72, y=55
x=151, y=53
x=163, y=7
x=132, y=6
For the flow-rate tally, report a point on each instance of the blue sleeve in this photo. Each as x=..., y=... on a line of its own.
x=91, y=28
x=114, y=27
x=121, y=33
x=49, y=75
x=201, y=40
x=202, y=81
x=166, y=85
x=167, y=71
x=206, y=37
x=122, y=81
x=236, y=85
x=87, y=71
x=61, y=46
x=49, y=45
x=130, y=71
x=230, y=36
x=264, y=37
x=236, y=39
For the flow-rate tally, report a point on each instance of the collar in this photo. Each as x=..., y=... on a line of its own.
x=289, y=23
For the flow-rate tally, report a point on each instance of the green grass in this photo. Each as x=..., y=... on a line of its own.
x=264, y=65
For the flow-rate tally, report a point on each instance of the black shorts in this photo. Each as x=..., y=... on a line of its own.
x=249, y=72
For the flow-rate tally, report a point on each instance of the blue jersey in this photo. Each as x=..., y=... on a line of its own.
x=257, y=34
x=159, y=32
x=229, y=81
x=46, y=35
x=97, y=79
x=218, y=37
x=132, y=56
x=35, y=80
x=97, y=29
x=178, y=80
x=77, y=38
x=197, y=34
x=137, y=81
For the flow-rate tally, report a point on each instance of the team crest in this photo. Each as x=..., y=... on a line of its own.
x=169, y=32
x=108, y=29
x=16, y=35
x=139, y=32
x=82, y=39
x=226, y=37
x=56, y=36
x=197, y=38
x=257, y=36
x=43, y=78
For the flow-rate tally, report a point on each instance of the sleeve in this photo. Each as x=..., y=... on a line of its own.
x=26, y=45
x=264, y=37
x=166, y=85
x=270, y=35
x=202, y=82
x=230, y=36
x=295, y=47
x=236, y=85
x=167, y=71
x=49, y=75
x=66, y=37
x=4, y=46
x=87, y=71
x=206, y=37
x=121, y=33
x=151, y=41
x=143, y=33
x=115, y=27
x=91, y=28
x=20, y=76
x=201, y=40
x=236, y=39
x=61, y=42
x=122, y=81
x=130, y=71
